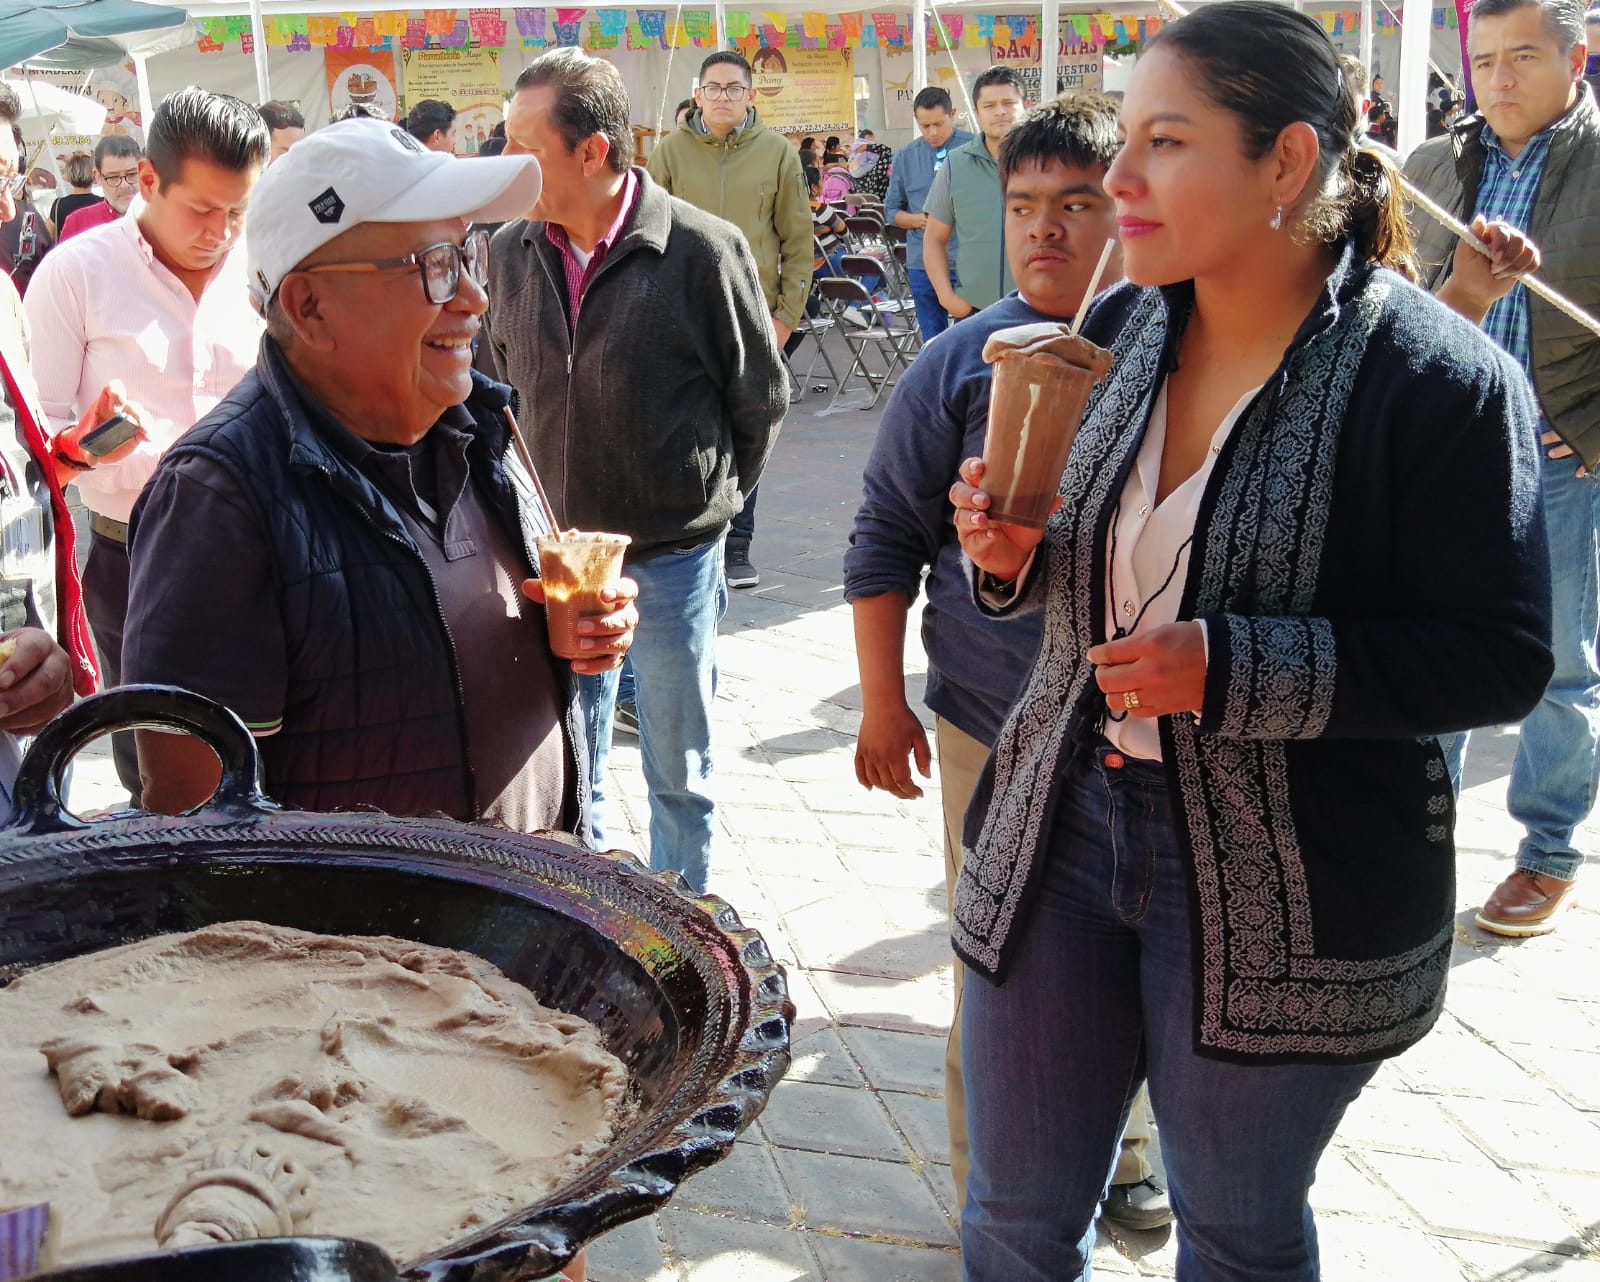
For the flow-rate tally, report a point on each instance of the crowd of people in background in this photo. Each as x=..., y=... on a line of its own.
x=1334, y=507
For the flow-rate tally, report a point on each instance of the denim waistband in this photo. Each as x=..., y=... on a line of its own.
x=1110, y=762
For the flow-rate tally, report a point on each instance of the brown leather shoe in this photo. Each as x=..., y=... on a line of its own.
x=1527, y=903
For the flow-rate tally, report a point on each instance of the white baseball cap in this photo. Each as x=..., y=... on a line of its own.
x=366, y=171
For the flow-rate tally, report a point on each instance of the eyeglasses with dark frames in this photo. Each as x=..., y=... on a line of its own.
x=441, y=266
x=120, y=180
x=733, y=93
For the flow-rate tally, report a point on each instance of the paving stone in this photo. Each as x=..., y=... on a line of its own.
x=943, y=1182
x=1490, y=1262
x=631, y=1252
x=811, y=1014
x=1530, y=1134
x=896, y=868
x=857, y=1260
x=769, y=823
x=1447, y=1064
x=831, y=1119
x=745, y=1183
x=823, y=1057
x=861, y=1195
x=826, y=795
x=876, y=832
x=898, y=1061
x=850, y=933
x=1521, y=1016
x=1343, y=1188
x=1360, y=1250
x=923, y=1121
x=921, y=1005
x=1404, y=1122
x=713, y=1249
x=1578, y=1197
x=1470, y=1201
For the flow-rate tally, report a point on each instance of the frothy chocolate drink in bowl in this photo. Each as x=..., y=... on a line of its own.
x=1043, y=375
x=575, y=567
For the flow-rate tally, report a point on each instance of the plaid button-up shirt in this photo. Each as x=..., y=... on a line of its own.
x=1509, y=188
x=578, y=273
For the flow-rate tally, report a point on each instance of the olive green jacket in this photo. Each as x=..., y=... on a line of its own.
x=754, y=179
x=1565, y=226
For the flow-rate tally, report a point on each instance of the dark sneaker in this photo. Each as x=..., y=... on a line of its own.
x=1140, y=1206
x=626, y=720
x=738, y=571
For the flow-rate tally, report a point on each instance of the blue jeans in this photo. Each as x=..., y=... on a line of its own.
x=682, y=598
x=931, y=316
x=1556, y=773
x=1098, y=997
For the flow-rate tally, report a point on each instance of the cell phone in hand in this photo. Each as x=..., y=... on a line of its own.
x=116, y=430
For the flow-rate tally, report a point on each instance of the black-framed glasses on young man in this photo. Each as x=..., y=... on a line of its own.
x=733, y=93
x=441, y=266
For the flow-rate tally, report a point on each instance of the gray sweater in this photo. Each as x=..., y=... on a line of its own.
x=655, y=418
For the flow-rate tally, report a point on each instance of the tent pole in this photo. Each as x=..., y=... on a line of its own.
x=1049, y=48
x=1366, y=40
x=258, y=36
x=721, y=19
x=1411, y=97
x=919, y=46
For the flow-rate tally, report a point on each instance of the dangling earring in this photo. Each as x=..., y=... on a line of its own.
x=1277, y=220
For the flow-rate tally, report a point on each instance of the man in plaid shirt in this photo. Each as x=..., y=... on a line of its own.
x=1527, y=169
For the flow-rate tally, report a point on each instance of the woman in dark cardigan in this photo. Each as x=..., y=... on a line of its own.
x=1300, y=537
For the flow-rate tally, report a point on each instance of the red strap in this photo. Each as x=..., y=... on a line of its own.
x=72, y=623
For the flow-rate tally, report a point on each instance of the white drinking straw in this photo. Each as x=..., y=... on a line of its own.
x=1094, y=284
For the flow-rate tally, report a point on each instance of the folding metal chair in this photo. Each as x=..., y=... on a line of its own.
x=890, y=341
x=867, y=234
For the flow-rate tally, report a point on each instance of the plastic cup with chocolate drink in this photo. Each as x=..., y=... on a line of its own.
x=1043, y=375
x=575, y=568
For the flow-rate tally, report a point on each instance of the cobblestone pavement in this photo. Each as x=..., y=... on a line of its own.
x=1475, y=1156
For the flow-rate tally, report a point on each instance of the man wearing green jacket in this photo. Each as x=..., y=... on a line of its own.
x=725, y=161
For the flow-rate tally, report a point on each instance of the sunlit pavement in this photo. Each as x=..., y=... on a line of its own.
x=1475, y=1156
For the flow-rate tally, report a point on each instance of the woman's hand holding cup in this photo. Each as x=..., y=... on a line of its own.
x=1002, y=550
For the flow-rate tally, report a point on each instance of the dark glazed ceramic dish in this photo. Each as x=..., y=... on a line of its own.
x=686, y=996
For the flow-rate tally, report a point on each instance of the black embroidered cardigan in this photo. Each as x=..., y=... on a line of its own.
x=1370, y=561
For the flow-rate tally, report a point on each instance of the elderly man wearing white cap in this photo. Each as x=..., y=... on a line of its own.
x=342, y=551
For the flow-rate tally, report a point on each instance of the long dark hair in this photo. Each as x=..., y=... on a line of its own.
x=1272, y=67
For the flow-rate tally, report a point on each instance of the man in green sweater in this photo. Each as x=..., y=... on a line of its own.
x=725, y=161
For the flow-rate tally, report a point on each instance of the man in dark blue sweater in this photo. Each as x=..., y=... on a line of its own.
x=1057, y=219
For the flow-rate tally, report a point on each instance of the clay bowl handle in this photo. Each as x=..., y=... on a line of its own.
x=37, y=795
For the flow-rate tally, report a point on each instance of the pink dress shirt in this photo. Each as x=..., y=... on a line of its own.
x=102, y=306
x=579, y=268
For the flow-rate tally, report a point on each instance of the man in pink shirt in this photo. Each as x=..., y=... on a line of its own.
x=149, y=315
x=116, y=169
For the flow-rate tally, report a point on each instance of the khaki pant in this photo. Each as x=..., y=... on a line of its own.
x=961, y=761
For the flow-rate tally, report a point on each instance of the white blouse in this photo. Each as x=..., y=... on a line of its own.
x=1148, y=554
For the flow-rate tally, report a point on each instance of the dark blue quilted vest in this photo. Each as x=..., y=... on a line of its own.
x=372, y=715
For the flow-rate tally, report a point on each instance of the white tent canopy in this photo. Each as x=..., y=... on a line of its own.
x=665, y=76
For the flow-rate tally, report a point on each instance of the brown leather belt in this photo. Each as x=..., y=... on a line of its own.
x=116, y=531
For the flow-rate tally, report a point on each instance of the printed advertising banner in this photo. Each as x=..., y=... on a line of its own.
x=946, y=70
x=467, y=79
x=364, y=76
x=1078, y=65
x=805, y=90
